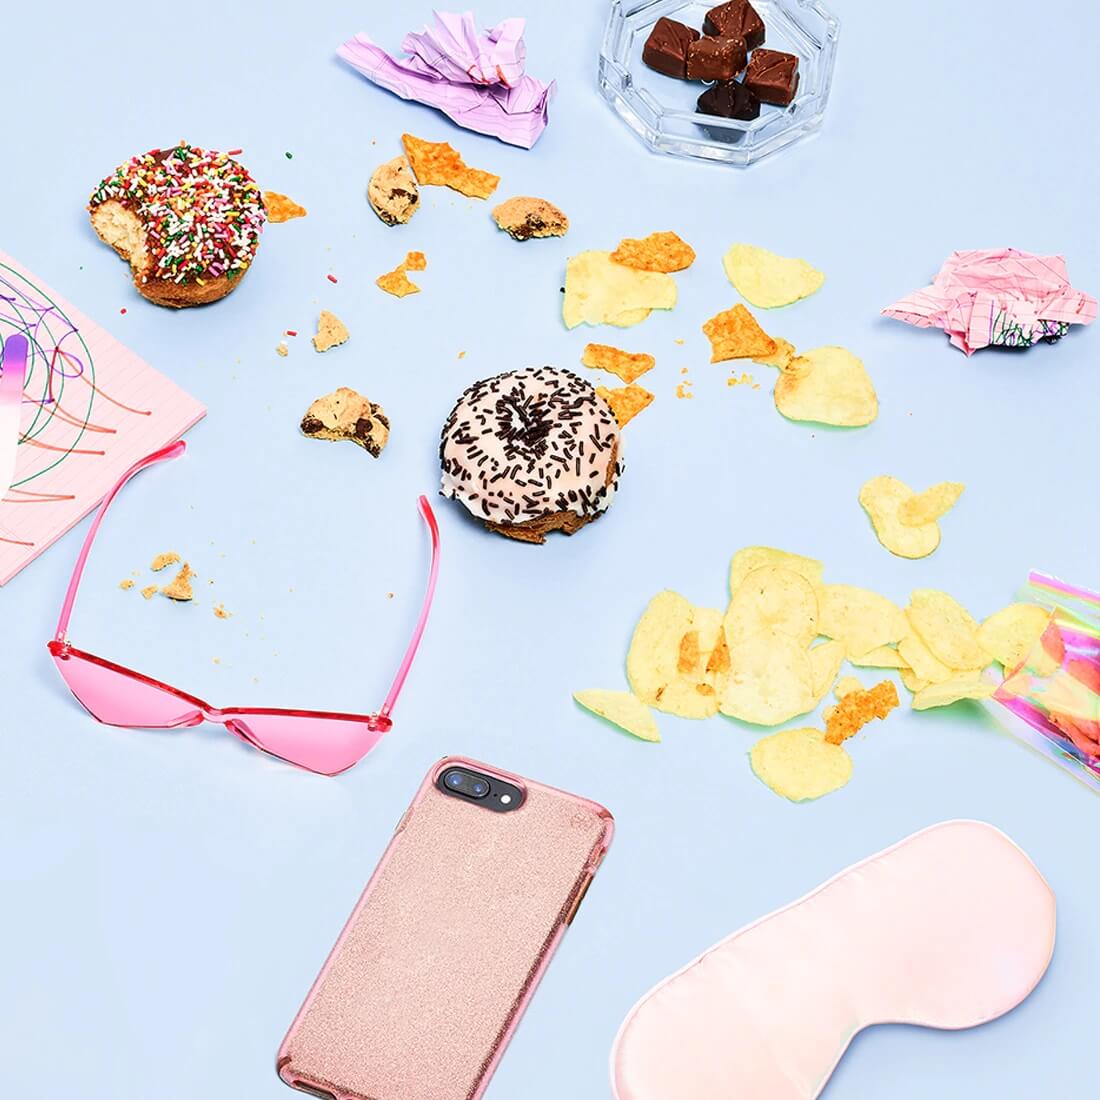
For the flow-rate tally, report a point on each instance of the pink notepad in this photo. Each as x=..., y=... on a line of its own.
x=91, y=408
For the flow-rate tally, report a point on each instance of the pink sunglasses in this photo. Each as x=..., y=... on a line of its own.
x=317, y=740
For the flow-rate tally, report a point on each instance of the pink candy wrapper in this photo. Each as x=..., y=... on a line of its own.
x=1000, y=297
x=476, y=80
x=1054, y=696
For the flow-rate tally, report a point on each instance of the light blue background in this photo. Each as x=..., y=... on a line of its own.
x=167, y=898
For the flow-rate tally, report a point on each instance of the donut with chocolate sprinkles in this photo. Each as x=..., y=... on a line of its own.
x=531, y=451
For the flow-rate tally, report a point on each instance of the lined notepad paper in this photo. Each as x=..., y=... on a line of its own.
x=91, y=409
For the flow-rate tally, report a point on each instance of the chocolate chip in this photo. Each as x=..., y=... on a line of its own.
x=311, y=425
x=363, y=427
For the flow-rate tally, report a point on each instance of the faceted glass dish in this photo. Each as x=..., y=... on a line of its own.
x=661, y=109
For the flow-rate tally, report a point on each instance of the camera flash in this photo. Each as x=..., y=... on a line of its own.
x=506, y=798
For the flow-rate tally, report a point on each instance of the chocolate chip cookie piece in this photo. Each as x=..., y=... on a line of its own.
x=345, y=414
x=393, y=193
x=525, y=217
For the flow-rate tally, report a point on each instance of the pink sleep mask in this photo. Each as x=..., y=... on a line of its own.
x=951, y=928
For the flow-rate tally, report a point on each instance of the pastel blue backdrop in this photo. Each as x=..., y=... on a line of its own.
x=168, y=897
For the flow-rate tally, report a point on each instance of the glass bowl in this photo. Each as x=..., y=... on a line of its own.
x=661, y=109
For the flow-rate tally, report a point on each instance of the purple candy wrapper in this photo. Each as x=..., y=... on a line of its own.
x=1052, y=701
x=476, y=80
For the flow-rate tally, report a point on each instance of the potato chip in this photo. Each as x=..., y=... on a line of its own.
x=800, y=764
x=658, y=252
x=773, y=598
x=923, y=662
x=827, y=385
x=912, y=681
x=438, y=164
x=825, y=662
x=767, y=279
x=280, y=208
x=857, y=708
x=625, y=401
x=756, y=557
x=883, y=657
x=951, y=691
x=861, y=619
x=781, y=357
x=734, y=334
x=946, y=627
x=845, y=686
x=629, y=366
x=396, y=282
x=1010, y=634
x=927, y=507
x=881, y=497
x=770, y=679
x=622, y=708
x=599, y=292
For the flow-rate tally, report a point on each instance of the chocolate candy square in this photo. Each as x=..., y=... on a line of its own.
x=773, y=76
x=729, y=99
x=716, y=58
x=666, y=48
x=737, y=19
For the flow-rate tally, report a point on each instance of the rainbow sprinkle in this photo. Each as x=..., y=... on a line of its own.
x=201, y=211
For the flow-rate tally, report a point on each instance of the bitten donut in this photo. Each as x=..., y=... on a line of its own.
x=188, y=221
x=531, y=451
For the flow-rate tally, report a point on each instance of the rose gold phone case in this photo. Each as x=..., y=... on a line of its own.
x=433, y=970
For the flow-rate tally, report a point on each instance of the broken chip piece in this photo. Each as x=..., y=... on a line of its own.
x=735, y=334
x=280, y=208
x=665, y=252
x=525, y=217
x=330, y=331
x=951, y=691
x=827, y=385
x=781, y=357
x=396, y=282
x=629, y=366
x=622, y=708
x=439, y=164
x=863, y=620
x=800, y=764
x=162, y=561
x=1010, y=634
x=599, y=291
x=856, y=708
x=751, y=558
x=625, y=401
x=345, y=414
x=946, y=628
x=768, y=280
x=882, y=498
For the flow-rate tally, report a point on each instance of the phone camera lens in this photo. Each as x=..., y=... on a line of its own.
x=479, y=788
x=454, y=780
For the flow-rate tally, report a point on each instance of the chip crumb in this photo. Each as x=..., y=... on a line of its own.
x=216, y=660
x=127, y=584
x=665, y=252
x=745, y=379
x=282, y=349
x=462, y=355
x=629, y=366
x=856, y=708
x=330, y=331
x=389, y=595
x=680, y=341
x=683, y=390
x=220, y=611
x=180, y=587
x=439, y=164
x=162, y=561
x=149, y=591
x=280, y=208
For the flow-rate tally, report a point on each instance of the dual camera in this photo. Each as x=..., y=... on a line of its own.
x=489, y=791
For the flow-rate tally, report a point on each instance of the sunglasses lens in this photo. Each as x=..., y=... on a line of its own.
x=121, y=700
x=321, y=744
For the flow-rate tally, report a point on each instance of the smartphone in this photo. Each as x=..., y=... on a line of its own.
x=443, y=952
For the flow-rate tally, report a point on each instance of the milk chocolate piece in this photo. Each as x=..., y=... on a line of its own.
x=729, y=99
x=737, y=19
x=716, y=58
x=773, y=76
x=665, y=49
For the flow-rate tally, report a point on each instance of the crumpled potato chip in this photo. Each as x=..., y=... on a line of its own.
x=881, y=497
x=770, y=679
x=883, y=657
x=825, y=662
x=281, y=208
x=946, y=628
x=845, y=686
x=923, y=662
x=781, y=357
x=756, y=557
x=769, y=280
x=800, y=764
x=929, y=506
x=599, y=292
x=625, y=402
x=622, y=708
x=678, y=661
x=773, y=598
x=1010, y=634
x=951, y=691
x=439, y=164
x=827, y=385
x=912, y=681
x=629, y=366
x=658, y=252
x=857, y=708
x=861, y=619
x=735, y=334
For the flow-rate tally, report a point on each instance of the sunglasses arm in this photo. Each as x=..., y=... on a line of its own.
x=173, y=450
x=414, y=643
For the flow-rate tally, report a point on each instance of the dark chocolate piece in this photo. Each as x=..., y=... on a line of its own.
x=716, y=58
x=665, y=49
x=773, y=76
x=729, y=99
x=737, y=19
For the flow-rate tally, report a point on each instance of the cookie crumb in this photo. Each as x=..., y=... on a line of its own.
x=162, y=561
x=393, y=193
x=345, y=414
x=330, y=331
x=462, y=355
x=149, y=591
x=180, y=588
x=126, y=584
x=389, y=595
x=282, y=349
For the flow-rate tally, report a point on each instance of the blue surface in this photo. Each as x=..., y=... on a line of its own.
x=167, y=898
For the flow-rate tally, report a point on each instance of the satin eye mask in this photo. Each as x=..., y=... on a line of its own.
x=951, y=928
